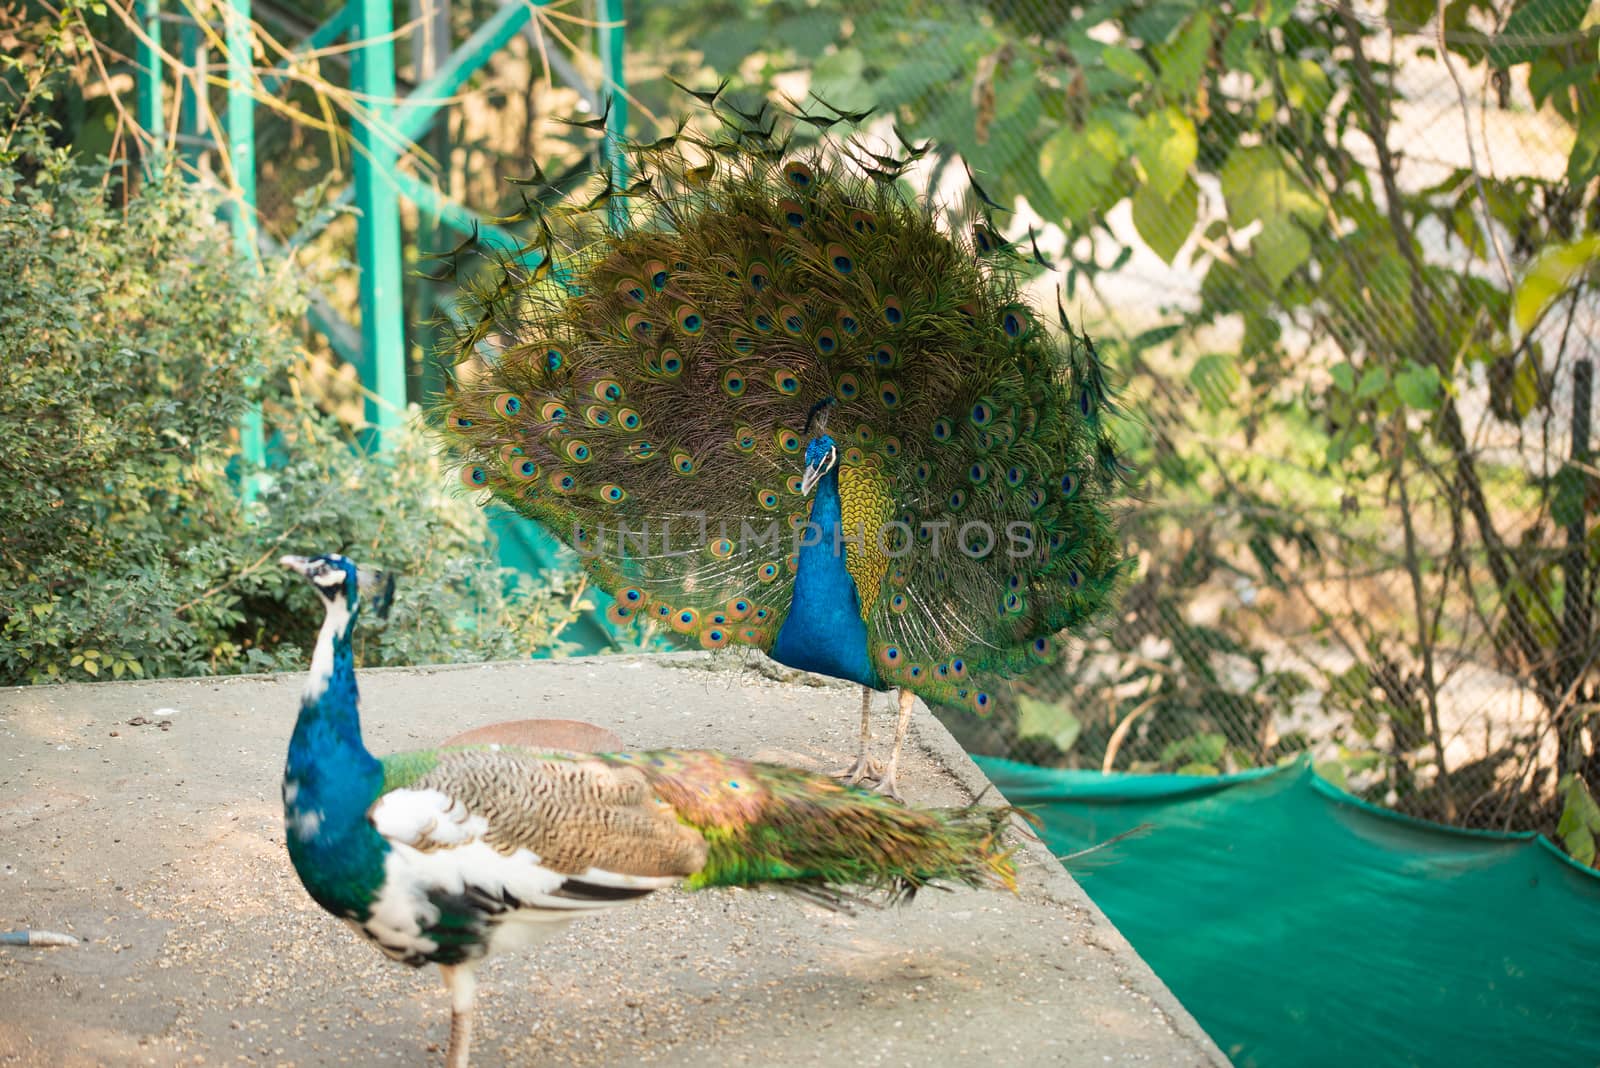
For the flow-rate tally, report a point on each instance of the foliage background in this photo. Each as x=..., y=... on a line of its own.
x=1342, y=255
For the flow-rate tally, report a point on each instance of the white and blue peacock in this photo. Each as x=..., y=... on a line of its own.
x=445, y=856
x=748, y=324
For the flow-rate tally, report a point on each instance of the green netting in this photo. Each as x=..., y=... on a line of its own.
x=1302, y=926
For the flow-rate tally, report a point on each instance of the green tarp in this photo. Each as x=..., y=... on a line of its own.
x=1303, y=926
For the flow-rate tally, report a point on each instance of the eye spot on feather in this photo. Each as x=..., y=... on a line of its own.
x=1015, y=321
x=656, y=272
x=619, y=614
x=792, y=212
x=1035, y=498
x=1040, y=647
x=689, y=320
x=943, y=431
x=786, y=382
x=607, y=389
x=1074, y=577
x=1013, y=604
x=763, y=323
x=890, y=657
x=827, y=342
x=885, y=356
x=596, y=415
x=671, y=363
x=889, y=394
x=894, y=312
x=759, y=275
x=793, y=485
x=985, y=239
x=554, y=358
x=1085, y=403
x=642, y=450
x=898, y=603
x=628, y=419
x=767, y=499
x=958, y=500
x=982, y=413
x=553, y=412
x=768, y=572
x=638, y=326
x=969, y=312
x=978, y=474
x=630, y=289
x=743, y=343
x=1016, y=476
x=683, y=463
x=713, y=638
x=739, y=608
x=981, y=703
x=848, y=325
x=745, y=439
x=722, y=548
x=763, y=613
x=915, y=671
x=525, y=471
x=663, y=611
x=799, y=175
x=507, y=405
x=563, y=484
x=474, y=477
x=612, y=493
x=892, y=447
x=853, y=456
x=1069, y=485
x=632, y=595
x=788, y=440
x=922, y=472
x=839, y=259
x=793, y=322
x=864, y=434
x=863, y=222
x=733, y=383
x=577, y=451
x=958, y=668
x=847, y=387
x=457, y=421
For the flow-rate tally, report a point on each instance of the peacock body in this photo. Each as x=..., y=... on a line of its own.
x=446, y=856
x=754, y=325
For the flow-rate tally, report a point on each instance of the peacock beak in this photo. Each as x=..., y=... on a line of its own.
x=813, y=473
x=294, y=563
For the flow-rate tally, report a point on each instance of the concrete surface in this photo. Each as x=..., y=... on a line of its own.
x=161, y=846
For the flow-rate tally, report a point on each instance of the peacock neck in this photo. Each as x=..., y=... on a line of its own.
x=331, y=780
x=824, y=631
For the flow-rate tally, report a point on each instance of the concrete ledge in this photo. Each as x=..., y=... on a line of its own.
x=162, y=847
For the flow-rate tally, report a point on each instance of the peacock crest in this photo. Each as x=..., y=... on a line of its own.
x=645, y=381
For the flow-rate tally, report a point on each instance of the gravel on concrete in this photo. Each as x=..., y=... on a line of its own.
x=144, y=818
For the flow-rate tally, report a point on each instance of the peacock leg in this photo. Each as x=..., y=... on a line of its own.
x=865, y=766
x=886, y=785
x=462, y=982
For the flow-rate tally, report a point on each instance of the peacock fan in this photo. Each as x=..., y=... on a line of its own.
x=444, y=856
x=752, y=334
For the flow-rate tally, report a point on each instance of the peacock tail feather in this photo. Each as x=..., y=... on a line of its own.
x=647, y=401
x=765, y=823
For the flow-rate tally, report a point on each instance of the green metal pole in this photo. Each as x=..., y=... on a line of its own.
x=241, y=119
x=190, y=99
x=147, y=60
x=383, y=340
x=612, y=53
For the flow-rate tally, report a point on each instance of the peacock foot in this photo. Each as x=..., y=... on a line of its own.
x=864, y=769
x=886, y=786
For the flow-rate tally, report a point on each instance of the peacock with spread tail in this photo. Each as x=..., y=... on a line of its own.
x=748, y=324
x=445, y=856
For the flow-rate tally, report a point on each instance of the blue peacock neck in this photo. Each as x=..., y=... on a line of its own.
x=331, y=780
x=824, y=631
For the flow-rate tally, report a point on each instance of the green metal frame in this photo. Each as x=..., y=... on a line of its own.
x=382, y=133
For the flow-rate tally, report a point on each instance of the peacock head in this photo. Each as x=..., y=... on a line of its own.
x=338, y=580
x=822, y=455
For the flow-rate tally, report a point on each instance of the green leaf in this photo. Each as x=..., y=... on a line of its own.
x=1280, y=249
x=1256, y=185
x=1166, y=145
x=1580, y=818
x=1214, y=377
x=1165, y=224
x=1078, y=166
x=1126, y=62
x=1418, y=386
x=1549, y=276
x=1306, y=85
x=1055, y=723
x=1526, y=393
x=1373, y=382
x=1537, y=19
x=1584, y=162
x=1182, y=59
x=1571, y=486
x=1344, y=376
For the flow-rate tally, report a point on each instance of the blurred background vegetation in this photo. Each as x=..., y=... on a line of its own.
x=1343, y=256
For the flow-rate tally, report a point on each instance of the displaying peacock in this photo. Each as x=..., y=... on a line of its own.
x=747, y=324
x=445, y=856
